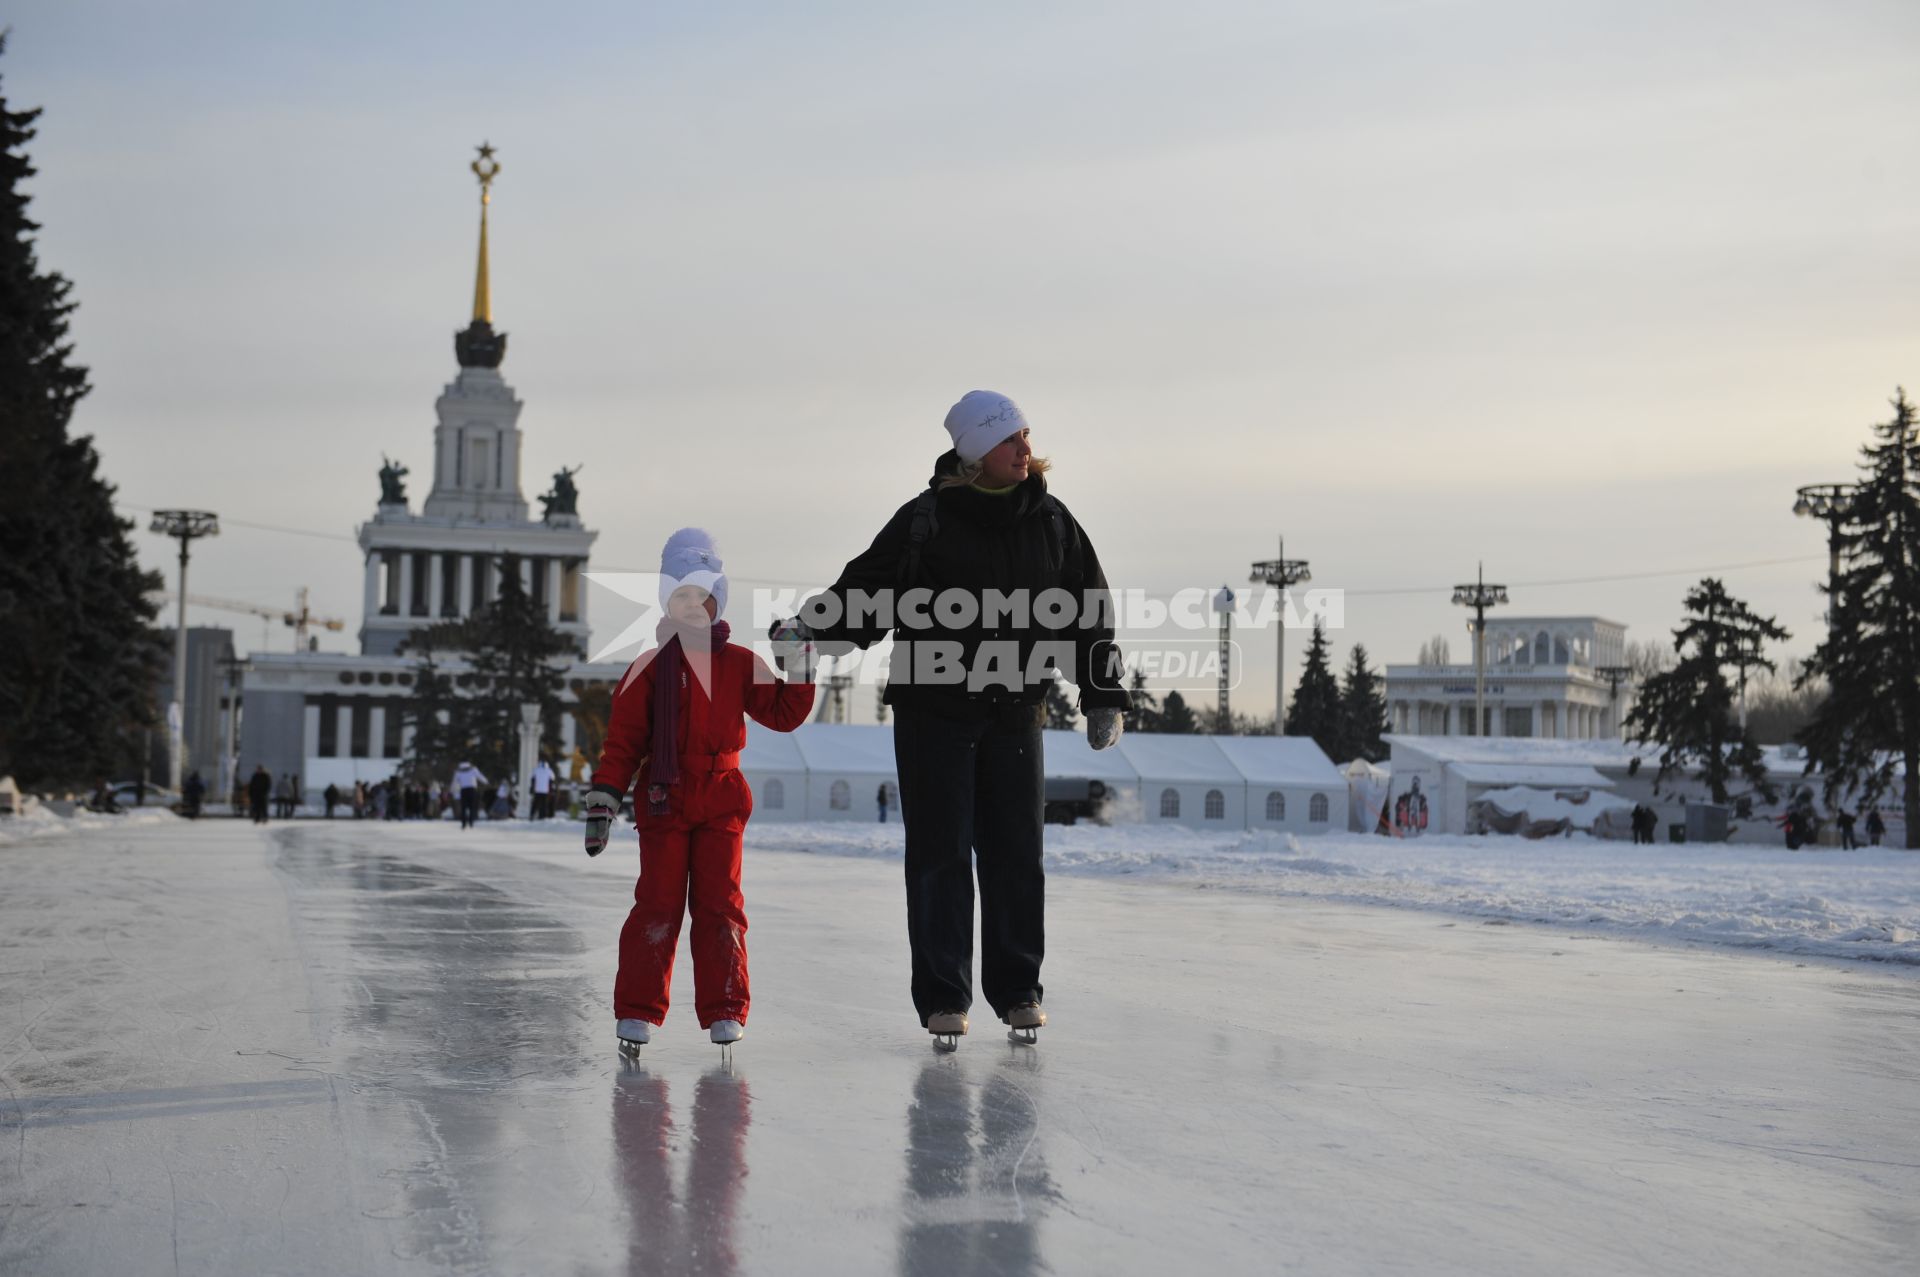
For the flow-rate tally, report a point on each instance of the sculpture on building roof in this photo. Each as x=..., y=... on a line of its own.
x=564, y=498
x=393, y=491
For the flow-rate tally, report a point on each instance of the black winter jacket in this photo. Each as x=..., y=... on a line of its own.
x=1024, y=540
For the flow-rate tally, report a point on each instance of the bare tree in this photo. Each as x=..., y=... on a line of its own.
x=1435, y=651
x=1647, y=659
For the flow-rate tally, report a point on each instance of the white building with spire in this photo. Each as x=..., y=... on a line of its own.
x=330, y=718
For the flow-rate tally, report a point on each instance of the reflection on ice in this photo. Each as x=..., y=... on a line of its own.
x=975, y=1183
x=691, y=1231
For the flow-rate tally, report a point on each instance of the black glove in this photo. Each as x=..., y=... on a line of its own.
x=602, y=806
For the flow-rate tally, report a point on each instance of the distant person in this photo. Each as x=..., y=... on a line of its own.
x=330, y=797
x=467, y=780
x=1845, y=820
x=259, y=791
x=191, y=792
x=883, y=802
x=543, y=790
x=1876, y=827
x=360, y=799
x=102, y=799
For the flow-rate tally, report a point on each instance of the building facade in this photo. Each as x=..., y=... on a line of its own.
x=1559, y=677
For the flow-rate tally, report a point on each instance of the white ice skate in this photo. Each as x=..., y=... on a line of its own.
x=725, y=1033
x=947, y=1028
x=634, y=1034
x=1024, y=1023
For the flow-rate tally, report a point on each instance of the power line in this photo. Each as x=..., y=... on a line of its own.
x=1373, y=592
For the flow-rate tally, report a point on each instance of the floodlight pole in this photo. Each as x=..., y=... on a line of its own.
x=1283, y=572
x=1480, y=596
x=186, y=526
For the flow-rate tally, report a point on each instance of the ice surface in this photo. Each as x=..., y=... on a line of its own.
x=380, y=1048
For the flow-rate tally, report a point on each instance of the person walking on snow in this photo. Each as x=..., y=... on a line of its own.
x=467, y=780
x=542, y=790
x=679, y=722
x=883, y=802
x=967, y=748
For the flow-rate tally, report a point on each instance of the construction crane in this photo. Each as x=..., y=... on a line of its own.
x=299, y=622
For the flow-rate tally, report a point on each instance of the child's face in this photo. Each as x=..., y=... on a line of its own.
x=690, y=605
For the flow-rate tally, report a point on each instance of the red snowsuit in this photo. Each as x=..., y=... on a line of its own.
x=690, y=857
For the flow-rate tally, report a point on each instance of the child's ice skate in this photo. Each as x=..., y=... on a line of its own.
x=633, y=1034
x=725, y=1033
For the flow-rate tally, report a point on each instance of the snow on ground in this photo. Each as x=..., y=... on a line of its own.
x=1819, y=903
x=41, y=821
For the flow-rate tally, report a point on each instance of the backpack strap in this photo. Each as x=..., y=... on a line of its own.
x=925, y=523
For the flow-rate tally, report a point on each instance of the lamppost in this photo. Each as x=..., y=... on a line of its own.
x=230, y=738
x=1479, y=596
x=1283, y=572
x=1615, y=675
x=1831, y=503
x=186, y=526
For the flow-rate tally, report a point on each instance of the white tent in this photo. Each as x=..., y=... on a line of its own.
x=776, y=773
x=1367, y=787
x=1290, y=783
x=1186, y=780
x=1069, y=757
x=846, y=765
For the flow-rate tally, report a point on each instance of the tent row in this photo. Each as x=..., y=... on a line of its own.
x=836, y=771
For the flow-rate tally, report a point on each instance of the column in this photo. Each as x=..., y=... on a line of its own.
x=406, y=583
x=1453, y=718
x=552, y=601
x=343, y=727
x=309, y=736
x=436, y=582
x=1497, y=711
x=526, y=575
x=466, y=585
x=370, y=606
x=376, y=730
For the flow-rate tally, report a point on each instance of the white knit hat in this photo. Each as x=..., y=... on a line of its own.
x=981, y=421
x=691, y=557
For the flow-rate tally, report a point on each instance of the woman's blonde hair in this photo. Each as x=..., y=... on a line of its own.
x=969, y=473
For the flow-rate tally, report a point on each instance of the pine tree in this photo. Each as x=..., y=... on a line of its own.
x=82, y=660
x=1061, y=716
x=1177, y=717
x=1315, y=708
x=1363, y=711
x=1143, y=710
x=1688, y=709
x=1869, y=725
x=513, y=656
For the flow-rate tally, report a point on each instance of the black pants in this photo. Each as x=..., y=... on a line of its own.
x=971, y=795
x=469, y=806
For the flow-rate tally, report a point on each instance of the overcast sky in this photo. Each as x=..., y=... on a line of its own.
x=1582, y=290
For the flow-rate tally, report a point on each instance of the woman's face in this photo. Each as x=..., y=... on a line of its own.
x=1007, y=463
x=691, y=606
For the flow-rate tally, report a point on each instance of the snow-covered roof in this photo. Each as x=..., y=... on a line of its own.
x=1542, y=775
x=1280, y=761
x=1068, y=754
x=844, y=749
x=770, y=751
x=1361, y=769
x=1162, y=757
x=1527, y=749
x=1539, y=804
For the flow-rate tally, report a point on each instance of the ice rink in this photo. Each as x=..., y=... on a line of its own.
x=356, y=1048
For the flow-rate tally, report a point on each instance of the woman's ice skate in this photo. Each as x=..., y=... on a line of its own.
x=633, y=1034
x=947, y=1028
x=1024, y=1023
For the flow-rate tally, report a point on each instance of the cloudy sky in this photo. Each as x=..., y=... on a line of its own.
x=1583, y=290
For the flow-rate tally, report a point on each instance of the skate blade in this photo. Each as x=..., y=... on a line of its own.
x=946, y=1042
x=630, y=1050
x=1024, y=1037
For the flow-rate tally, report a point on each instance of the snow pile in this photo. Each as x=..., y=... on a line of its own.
x=41, y=821
x=1860, y=904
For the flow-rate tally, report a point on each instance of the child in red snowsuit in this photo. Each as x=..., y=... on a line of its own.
x=679, y=721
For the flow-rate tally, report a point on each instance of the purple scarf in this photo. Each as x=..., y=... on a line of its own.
x=664, y=770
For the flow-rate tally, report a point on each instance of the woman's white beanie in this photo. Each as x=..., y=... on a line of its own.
x=980, y=422
x=690, y=557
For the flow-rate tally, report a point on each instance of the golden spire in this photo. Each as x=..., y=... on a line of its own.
x=486, y=168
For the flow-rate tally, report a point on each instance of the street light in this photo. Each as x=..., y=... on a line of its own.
x=1283, y=572
x=1479, y=596
x=186, y=526
x=1831, y=503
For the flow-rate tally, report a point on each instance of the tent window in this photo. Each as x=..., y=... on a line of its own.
x=1169, y=804
x=1216, y=808
x=774, y=794
x=840, y=797
x=1276, y=806
x=1317, y=809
